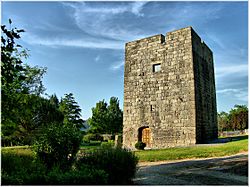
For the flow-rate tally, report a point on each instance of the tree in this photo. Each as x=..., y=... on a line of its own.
x=99, y=121
x=71, y=111
x=239, y=117
x=115, y=116
x=54, y=100
x=106, y=119
x=32, y=114
x=58, y=145
x=236, y=119
x=17, y=77
x=23, y=110
x=223, y=121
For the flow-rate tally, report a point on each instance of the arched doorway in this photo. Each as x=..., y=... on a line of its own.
x=144, y=135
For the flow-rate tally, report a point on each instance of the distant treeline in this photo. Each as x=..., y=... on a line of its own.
x=235, y=119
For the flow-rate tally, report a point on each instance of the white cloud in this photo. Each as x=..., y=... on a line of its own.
x=239, y=94
x=229, y=70
x=98, y=20
x=117, y=65
x=80, y=42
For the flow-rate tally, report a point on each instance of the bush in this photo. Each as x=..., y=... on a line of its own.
x=140, y=145
x=109, y=144
x=80, y=176
x=21, y=169
x=24, y=170
x=92, y=137
x=119, y=164
x=58, y=145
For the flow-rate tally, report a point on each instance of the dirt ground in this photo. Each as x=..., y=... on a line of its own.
x=229, y=170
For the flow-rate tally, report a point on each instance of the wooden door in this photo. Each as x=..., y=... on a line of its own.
x=146, y=136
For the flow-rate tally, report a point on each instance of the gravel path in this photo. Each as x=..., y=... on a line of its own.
x=229, y=170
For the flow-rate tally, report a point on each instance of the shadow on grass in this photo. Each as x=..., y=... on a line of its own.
x=213, y=171
x=229, y=139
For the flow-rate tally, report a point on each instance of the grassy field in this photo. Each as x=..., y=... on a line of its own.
x=201, y=151
x=238, y=144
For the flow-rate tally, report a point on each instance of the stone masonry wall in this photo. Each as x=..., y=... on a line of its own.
x=206, y=115
x=168, y=101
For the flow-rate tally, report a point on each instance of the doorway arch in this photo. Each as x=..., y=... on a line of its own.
x=144, y=135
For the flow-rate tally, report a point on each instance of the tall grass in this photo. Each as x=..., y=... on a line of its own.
x=119, y=164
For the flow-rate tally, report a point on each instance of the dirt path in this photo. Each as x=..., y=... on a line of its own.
x=229, y=170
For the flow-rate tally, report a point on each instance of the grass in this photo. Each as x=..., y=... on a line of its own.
x=202, y=151
x=18, y=150
x=91, y=145
x=238, y=144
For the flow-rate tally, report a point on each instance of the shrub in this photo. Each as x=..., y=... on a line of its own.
x=58, y=145
x=92, y=137
x=80, y=176
x=20, y=169
x=109, y=144
x=119, y=164
x=140, y=145
x=24, y=170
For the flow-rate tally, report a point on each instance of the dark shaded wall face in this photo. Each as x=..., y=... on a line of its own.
x=205, y=93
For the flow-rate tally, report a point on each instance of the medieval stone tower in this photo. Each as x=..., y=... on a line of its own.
x=169, y=91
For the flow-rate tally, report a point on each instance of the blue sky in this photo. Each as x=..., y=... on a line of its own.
x=82, y=43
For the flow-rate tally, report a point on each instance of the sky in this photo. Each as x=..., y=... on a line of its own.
x=82, y=43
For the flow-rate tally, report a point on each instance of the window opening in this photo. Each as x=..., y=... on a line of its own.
x=156, y=67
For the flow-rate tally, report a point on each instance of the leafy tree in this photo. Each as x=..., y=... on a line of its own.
x=99, y=121
x=32, y=114
x=71, y=111
x=54, y=100
x=16, y=76
x=23, y=110
x=58, y=145
x=106, y=119
x=236, y=119
x=115, y=116
x=223, y=121
x=239, y=117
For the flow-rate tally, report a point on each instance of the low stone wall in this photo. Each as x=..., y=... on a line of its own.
x=233, y=133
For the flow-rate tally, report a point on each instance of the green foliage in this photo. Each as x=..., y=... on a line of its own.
x=32, y=113
x=140, y=145
x=92, y=137
x=109, y=144
x=236, y=119
x=21, y=85
x=80, y=176
x=12, y=70
x=19, y=169
x=119, y=164
x=99, y=120
x=58, y=145
x=17, y=77
x=71, y=111
x=115, y=117
x=106, y=119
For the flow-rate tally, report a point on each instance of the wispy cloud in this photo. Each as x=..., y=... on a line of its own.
x=79, y=42
x=239, y=94
x=228, y=70
x=97, y=58
x=102, y=19
x=117, y=65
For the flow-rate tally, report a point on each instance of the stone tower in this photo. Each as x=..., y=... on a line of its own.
x=169, y=91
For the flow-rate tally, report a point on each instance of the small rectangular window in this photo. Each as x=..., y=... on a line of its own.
x=156, y=67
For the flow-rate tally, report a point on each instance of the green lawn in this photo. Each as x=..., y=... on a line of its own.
x=238, y=144
x=201, y=151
